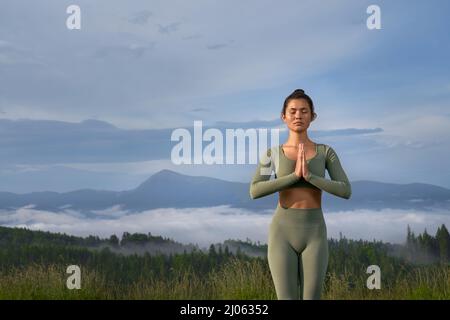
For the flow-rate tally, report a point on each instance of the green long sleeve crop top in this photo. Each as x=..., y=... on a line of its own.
x=274, y=160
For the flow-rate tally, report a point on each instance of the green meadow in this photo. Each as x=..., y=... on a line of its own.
x=33, y=265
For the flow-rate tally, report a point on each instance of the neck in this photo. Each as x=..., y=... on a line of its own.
x=295, y=138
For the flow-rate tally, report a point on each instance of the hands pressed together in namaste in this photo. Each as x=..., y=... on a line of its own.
x=301, y=166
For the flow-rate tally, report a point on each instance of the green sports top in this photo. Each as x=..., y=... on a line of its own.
x=274, y=160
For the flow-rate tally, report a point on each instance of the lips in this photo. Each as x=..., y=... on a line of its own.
x=300, y=123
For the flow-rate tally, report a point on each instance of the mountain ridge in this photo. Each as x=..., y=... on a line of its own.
x=167, y=188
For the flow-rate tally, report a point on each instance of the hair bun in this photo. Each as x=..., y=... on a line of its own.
x=299, y=91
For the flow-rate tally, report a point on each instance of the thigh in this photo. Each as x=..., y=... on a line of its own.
x=315, y=263
x=283, y=263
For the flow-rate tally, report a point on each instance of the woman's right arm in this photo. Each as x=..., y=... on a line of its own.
x=261, y=184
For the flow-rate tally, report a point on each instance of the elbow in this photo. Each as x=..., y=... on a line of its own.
x=348, y=192
x=254, y=194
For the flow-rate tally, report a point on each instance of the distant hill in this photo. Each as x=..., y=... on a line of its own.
x=167, y=188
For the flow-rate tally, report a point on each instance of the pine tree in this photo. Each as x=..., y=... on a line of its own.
x=408, y=237
x=113, y=240
x=443, y=239
x=212, y=251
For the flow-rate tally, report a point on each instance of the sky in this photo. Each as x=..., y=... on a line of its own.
x=94, y=108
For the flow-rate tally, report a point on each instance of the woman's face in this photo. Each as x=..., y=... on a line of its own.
x=298, y=115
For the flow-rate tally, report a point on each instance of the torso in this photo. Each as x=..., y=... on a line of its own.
x=300, y=197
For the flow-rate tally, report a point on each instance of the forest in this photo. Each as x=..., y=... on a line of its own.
x=143, y=266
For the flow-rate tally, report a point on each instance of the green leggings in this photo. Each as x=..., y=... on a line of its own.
x=298, y=252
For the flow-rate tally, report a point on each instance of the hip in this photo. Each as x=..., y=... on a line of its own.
x=299, y=217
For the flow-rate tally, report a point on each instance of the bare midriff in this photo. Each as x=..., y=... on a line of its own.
x=300, y=198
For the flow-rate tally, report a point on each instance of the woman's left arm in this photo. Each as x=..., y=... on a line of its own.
x=339, y=184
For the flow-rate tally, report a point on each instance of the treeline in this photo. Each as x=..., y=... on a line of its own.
x=21, y=248
x=25, y=236
x=425, y=248
x=129, y=243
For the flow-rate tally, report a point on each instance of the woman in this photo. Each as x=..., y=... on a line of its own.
x=297, y=244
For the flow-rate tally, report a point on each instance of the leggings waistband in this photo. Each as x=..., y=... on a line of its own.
x=300, y=215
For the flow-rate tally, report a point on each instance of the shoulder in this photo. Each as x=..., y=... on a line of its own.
x=270, y=152
x=330, y=152
x=326, y=147
x=323, y=148
x=273, y=150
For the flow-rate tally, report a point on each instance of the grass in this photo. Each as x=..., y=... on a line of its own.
x=236, y=279
x=424, y=282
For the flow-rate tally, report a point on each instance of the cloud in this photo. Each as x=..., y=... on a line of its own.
x=11, y=54
x=93, y=146
x=200, y=110
x=172, y=27
x=194, y=36
x=387, y=224
x=419, y=129
x=346, y=132
x=69, y=177
x=55, y=142
x=216, y=224
x=123, y=68
x=113, y=212
x=217, y=46
x=140, y=18
x=33, y=143
x=124, y=51
x=113, y=74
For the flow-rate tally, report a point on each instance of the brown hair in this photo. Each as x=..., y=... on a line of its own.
x=298, y=94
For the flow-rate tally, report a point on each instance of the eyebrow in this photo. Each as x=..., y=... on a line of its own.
x=290, y=108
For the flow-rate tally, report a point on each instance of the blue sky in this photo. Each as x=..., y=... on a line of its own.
x=142, y=69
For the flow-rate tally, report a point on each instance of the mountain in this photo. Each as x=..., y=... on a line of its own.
x=167, y=188
x=170, y=189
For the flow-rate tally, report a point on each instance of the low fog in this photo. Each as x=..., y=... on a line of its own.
x=204, y=226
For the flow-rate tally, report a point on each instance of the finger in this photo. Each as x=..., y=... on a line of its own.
x=300, y=158
x=303, y=159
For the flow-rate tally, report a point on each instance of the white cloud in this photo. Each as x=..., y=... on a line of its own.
x=133, y=167
x=216, y=224
x=263, y=51
x=387, y=224
x=113, y=212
